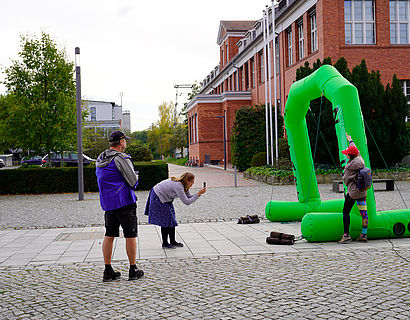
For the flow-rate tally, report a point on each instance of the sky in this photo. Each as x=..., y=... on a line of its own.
x=139, y=48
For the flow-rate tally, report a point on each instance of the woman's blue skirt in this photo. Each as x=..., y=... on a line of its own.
x=160, y=214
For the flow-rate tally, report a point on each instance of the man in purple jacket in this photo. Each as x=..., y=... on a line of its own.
x=117, y=181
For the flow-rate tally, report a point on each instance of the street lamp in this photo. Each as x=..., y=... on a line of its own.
x=79, y=125
x=223, y=117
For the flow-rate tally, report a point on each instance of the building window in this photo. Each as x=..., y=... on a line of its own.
x=261, y=64
x=359, y=22
x=226, y=53
x=93, y=113
x=223, y=57
x=196, y=129
x=253, y=72
x=313, y=32
x=289, y=38
x=246, y=70
x=399, y=21
x=301, y=41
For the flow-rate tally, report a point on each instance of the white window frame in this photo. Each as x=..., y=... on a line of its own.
x=196, y=123
x=253, y=72
x=359, y=30
x=398, y=23
x=262, y=62
x=301, y=41
x=290, y=51
x=313, y=32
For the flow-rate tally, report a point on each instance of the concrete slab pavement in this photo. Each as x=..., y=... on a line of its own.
x=78, y=245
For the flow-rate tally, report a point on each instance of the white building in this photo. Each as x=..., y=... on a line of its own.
x=107, y=115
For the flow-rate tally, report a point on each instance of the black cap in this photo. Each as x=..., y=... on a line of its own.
x=117, y=136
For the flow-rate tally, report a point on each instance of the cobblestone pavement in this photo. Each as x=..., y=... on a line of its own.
x=309, y=285
x=222, y=203
x=334, y=282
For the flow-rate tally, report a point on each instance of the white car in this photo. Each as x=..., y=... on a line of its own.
x=2, y=164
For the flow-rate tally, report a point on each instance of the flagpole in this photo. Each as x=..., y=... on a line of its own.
x=266, y=87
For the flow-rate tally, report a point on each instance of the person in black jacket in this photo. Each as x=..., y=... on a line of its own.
x=354, y=164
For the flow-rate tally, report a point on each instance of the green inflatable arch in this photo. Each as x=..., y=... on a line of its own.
x=323, y=220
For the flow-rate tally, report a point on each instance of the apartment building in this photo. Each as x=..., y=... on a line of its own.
x=305, y=30
x=107, y=116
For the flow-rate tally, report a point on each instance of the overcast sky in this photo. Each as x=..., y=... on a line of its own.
x=140, y=48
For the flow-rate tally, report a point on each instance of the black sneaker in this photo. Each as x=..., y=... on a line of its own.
x=177, y=244
x=135, y=274
x=111, y=275
x=168, y=246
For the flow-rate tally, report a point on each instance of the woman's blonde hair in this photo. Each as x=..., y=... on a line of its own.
x=184, y=178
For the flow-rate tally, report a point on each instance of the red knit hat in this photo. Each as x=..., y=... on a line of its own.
x=351, y=150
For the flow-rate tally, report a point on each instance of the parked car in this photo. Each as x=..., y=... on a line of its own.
x=2, y=164
x=34, y=160
x=70, y=159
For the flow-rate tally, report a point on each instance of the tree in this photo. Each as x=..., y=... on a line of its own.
x=40, y=106
x=248, y=135
x=95, y=141
x=140, y=137
x=139, y=152
x=384, y=111
x=159, y=134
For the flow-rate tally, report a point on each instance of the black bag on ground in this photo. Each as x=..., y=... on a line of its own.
x=280, y=238
x=249, y=219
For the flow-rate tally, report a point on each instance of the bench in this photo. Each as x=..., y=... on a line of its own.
x=389, y=184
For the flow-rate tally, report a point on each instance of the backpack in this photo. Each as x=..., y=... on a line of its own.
x=364, y=179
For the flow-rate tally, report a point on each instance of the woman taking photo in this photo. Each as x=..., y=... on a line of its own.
x=160, y=209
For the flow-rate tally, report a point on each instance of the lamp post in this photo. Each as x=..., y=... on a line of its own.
x=223, y=117
x=275, y=4
x=79, y=125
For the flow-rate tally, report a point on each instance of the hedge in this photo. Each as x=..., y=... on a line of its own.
x=64, y=180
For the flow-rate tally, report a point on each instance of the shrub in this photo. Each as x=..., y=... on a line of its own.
x=139, y=152
x=248, y=135
x=150, y=173
x=259, y=159
x=65, y=180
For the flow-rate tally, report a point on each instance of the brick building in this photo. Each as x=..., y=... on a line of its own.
x=306, y=30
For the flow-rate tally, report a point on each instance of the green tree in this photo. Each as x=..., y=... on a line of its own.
x=249, y=135
x=95, y=141
x=396, y=108
x=320, y=114
x=140, y=137
x=384, y=112
x=138, y=152
x=41, y=108
x=159, y=134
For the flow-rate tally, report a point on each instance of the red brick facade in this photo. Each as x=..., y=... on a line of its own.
x=241, y=67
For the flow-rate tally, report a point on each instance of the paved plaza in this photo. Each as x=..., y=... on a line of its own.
x=51, y=261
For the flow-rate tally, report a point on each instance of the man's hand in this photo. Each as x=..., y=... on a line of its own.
x=349, y=138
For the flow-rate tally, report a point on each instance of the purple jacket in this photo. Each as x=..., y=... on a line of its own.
x=116, y=180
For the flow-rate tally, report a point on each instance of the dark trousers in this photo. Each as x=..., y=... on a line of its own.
x=347, y=207
x=168, y=231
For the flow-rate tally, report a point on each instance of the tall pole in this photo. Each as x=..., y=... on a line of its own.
x=79, y=125
x=266, y=87
x=274, y=79
x=224, y=118
x=270, y=85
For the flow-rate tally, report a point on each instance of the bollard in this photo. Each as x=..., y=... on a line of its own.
x=234, y=169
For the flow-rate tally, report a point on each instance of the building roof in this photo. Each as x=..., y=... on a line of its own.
x=244, y=25
x=239, y=27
